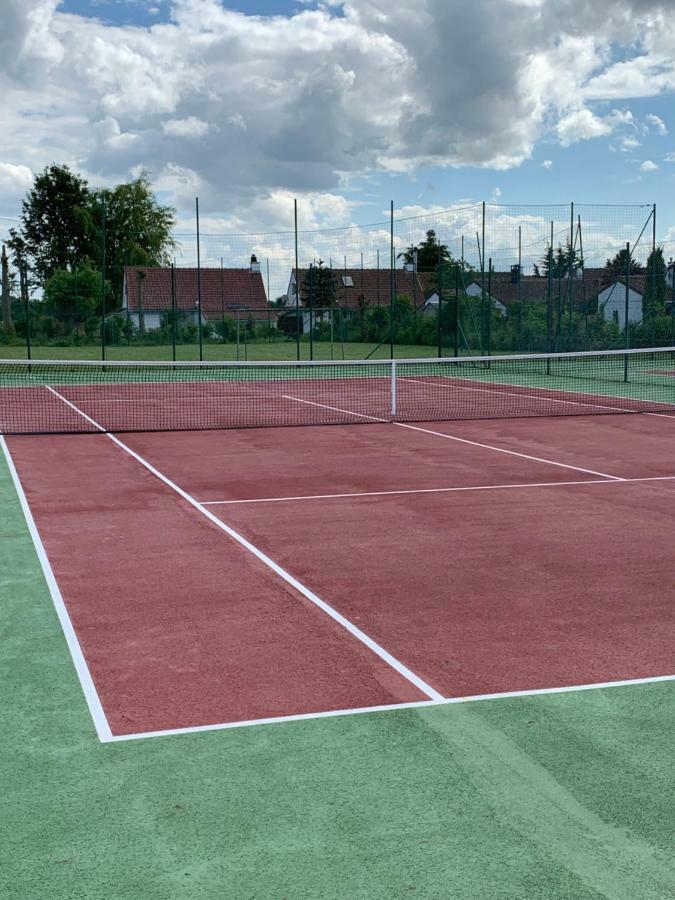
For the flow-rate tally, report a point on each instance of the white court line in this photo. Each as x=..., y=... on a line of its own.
x=420, y=704
x=497, y=392
x=621, y=409
x=86, y=681
x=451, y=437
x=442, y=490
x=347, y=412
x=349, y=626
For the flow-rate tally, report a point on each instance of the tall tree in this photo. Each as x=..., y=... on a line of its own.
x=564, y=260
x=318, y=288
x=656, y=286
x=73, y=297
x=430, y=253
x=137, y=230
x=56, y=231
x=7, y=325
x=617, y=265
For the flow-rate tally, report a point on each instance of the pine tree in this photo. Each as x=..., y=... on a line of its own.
x=656, y=287
x=319, y=289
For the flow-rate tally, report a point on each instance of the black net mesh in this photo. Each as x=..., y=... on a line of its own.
x=65, y=397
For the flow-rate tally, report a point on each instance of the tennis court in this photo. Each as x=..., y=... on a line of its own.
x=468, y=533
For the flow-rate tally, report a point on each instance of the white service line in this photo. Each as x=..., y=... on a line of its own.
x=347, y=412
x=550, y=462
x=349, y=626
x=486, y=390
x=451, y=437
x=420, y=704
x=620, y=409
x=442, y=490
x=86, y=681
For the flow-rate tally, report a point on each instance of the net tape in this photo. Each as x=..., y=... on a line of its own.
x=47, y=397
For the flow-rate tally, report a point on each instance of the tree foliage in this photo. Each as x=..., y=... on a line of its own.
x=617, y=265
x=63, y=228
x=430, y=253
x=56, y=232
x=656, y=286
x=137, y=229
x=562, y=262
x=73, y=297
x=319, y=289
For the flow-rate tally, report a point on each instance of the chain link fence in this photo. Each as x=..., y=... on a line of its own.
x=477, y=279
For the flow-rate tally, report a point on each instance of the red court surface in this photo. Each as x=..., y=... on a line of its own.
x=529, y=582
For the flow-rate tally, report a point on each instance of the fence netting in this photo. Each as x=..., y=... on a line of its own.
x=475, y=279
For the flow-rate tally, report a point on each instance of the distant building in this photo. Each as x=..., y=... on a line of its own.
x=367, y=288
x=224, y=292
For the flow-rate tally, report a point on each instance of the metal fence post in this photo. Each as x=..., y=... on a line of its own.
x=199, y=284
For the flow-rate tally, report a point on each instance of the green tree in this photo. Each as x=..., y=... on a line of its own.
x=7, y=325
x=617, y=265
x=137, y=230
x=563, y=261
x=430, y=253
x=56, y=232
x=656, y=287
x=72, y=298
x=319, y=289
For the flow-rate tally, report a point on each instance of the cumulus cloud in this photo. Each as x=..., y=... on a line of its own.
x=547, y=164
x=192, y=127
x=648, y=166
x=657, y=124
x=253, y=106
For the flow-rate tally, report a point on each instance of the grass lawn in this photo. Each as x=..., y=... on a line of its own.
x=258, y=350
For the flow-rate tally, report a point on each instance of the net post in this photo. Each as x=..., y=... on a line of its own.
x=393, y=390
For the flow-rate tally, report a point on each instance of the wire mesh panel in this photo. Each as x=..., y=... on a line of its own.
x=53, y=397
x=471, y=279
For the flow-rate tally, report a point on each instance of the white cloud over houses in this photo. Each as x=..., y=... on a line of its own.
x=248, y=107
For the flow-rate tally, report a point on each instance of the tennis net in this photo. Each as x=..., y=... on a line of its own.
x=43, y=397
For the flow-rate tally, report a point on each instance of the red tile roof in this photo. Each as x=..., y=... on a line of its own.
x=535, y=288
x=223, y=290
x=372, y=287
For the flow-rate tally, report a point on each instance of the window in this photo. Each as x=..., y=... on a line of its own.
x=615, y=316
x=347, y=281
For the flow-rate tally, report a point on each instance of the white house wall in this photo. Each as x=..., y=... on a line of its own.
x=612, y=303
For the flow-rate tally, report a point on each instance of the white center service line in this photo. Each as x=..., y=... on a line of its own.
x=451, y=437
x=349, y=626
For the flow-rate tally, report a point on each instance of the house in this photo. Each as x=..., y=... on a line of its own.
x=612, y=301
x=358, y=289
x=593, y=289
x=224, y=292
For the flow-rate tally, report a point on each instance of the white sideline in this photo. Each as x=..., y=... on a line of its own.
x=442, y=490
x=420, y=704
x=349, y=626
x=451, y=437
x=86, y=681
